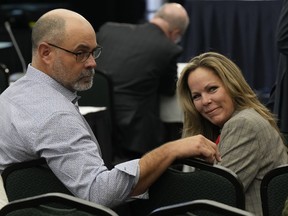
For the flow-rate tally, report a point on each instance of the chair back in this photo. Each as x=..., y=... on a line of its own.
x=200, y=207
x=206, y=182
x=274, y=190
x=54, y=204
x=101, y=93
x=31, y=178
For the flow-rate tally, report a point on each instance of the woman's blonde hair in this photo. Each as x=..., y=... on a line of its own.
x=236, y=86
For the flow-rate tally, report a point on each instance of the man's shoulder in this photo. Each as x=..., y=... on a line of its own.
x=117, y=25
x=33, y=96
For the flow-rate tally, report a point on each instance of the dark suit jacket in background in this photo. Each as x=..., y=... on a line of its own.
x=142, y=64
x=278, y=101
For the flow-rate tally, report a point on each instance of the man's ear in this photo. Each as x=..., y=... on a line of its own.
x=45, y=52
x=176, y=35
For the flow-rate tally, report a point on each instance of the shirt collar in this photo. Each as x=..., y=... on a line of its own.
x=47, y=80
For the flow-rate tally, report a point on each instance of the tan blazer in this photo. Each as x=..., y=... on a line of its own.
x=251, y=147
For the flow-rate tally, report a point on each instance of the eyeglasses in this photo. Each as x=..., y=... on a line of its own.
x=82, y=56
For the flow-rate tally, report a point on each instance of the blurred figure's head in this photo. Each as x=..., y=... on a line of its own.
x=173, y=19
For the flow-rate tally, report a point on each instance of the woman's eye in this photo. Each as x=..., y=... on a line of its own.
x=195, y=97
x=213, y=89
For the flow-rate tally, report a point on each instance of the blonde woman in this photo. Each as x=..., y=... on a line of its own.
x=219, y=104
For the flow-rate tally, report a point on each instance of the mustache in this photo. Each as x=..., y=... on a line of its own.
x=86, y=73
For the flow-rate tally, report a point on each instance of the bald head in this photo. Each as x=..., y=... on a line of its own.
x=175, y=15
x=58, y=25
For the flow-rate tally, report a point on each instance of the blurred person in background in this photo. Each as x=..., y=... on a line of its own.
x=141, y=60
x=278, y=101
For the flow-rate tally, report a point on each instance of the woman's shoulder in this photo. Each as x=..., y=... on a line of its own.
x=247, y=121
x=249, y=114
x=248, y=117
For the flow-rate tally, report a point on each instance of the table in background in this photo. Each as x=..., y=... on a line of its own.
x=170, y=110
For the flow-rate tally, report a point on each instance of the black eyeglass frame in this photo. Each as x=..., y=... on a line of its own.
x=95, y=52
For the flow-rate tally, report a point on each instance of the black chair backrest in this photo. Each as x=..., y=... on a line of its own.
x=274, y=190
x=206, y=182
x=31, y=178
x=200, y=207
x=44, y=205
x=101, y=93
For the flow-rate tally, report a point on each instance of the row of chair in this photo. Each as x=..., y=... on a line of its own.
x=209, y=182
x=52, y=204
